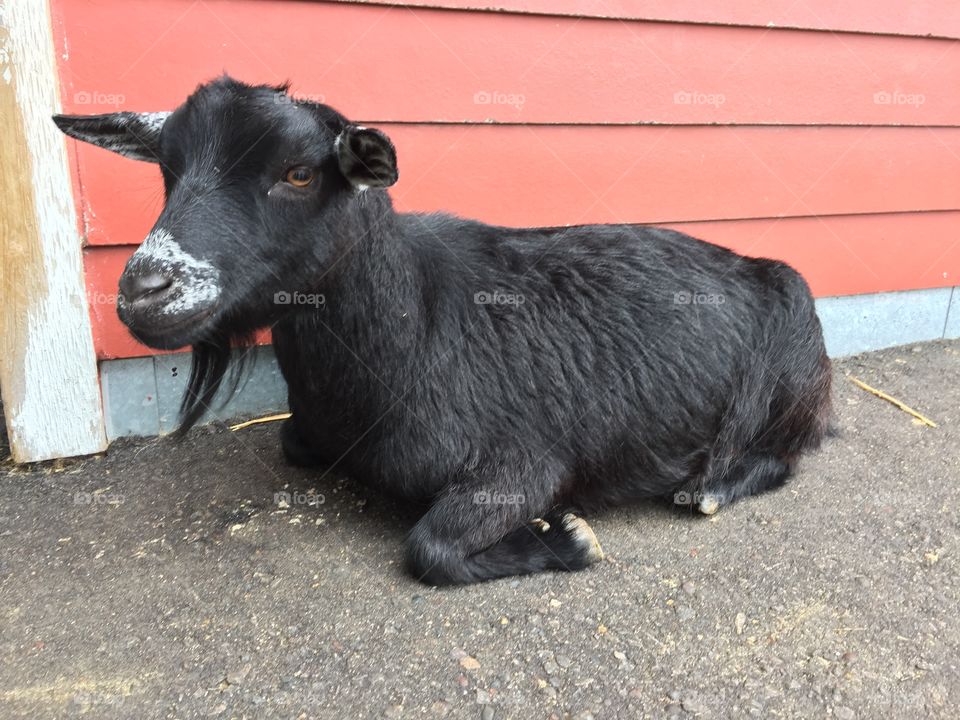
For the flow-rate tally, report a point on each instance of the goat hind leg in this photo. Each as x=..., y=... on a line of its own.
x=754, y=474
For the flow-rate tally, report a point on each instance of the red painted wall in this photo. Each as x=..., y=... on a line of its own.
x=834, y=145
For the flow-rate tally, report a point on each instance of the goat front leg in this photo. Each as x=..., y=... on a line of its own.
x=484, y=526
x=296, y=450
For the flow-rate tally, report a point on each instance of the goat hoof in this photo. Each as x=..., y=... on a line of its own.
x=540, y=524
x=709, y=504
x=584, y=536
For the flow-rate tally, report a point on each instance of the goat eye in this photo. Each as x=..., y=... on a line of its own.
x=300, y=176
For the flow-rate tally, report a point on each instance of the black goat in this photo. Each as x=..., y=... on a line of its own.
x=513, y=377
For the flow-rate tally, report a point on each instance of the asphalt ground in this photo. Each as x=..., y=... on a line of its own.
x=166, y=580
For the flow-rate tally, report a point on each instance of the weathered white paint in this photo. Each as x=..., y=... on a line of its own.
x=48, y=368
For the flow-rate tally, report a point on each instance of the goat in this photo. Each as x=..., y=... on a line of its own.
x=515, y=379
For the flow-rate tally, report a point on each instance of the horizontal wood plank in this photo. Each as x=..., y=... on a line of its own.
x=554, y=175
x=383, y=63
x=838, y=256
x=850, y=254
x=940, y=18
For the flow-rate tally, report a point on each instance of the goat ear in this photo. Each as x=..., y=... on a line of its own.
x=367, y=157
x=133, y=135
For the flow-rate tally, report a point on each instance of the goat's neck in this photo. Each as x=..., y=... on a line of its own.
x=372, y=290
x=378, y=265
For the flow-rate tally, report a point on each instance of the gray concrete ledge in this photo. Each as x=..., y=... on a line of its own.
x=141, y=395
x=859, y=323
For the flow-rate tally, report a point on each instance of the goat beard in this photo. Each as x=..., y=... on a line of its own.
x=210, y=361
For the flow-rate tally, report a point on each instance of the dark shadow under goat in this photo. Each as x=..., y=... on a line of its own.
x=514, y=378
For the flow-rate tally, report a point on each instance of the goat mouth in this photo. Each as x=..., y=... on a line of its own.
x=169, y=333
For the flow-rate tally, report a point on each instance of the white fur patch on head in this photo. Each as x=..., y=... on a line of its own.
x=197, y=282
x=154, y=121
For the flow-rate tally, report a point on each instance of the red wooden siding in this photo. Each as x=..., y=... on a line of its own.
x=528, y=112
x=396, y=64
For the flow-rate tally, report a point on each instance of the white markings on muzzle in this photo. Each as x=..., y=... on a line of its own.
x=196, y=282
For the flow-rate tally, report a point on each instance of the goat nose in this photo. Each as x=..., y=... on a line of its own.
x=141, y=287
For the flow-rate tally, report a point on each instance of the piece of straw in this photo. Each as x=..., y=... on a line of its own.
x=258, y=421
x=893, y=401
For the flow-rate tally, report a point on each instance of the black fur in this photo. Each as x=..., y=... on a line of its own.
x=615, y=363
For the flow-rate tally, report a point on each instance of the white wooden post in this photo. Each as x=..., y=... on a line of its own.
x=48, y=369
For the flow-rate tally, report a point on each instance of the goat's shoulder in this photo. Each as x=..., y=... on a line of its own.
x=431, y=230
